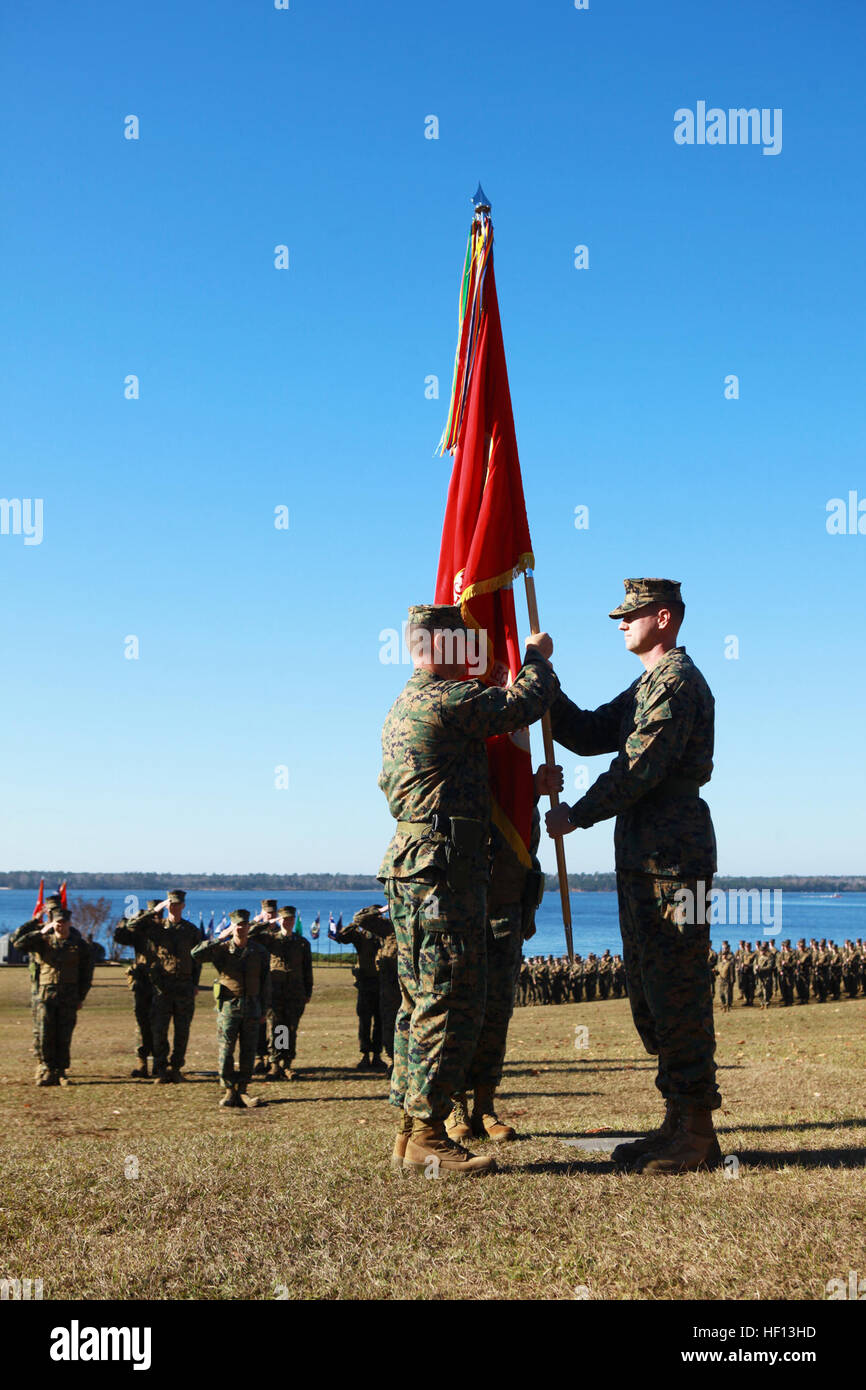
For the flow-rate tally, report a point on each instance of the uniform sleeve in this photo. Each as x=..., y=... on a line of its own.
x=204, y=950
x=21, y=937
x=128, y=932
x=308, y=970
x=480, y=711
x=586, y=731
x=350, y=934
x=663, y=724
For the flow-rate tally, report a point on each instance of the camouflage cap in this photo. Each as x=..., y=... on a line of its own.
x=640, y=592
x=287, y=911
x=441, y=615
x=270, y=903
x=152, y=903
x=54, y=901
x=239, y=916
x=176, y=895
x=61, y=914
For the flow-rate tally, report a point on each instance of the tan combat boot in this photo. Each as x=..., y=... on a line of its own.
x=627, y=1154
x=431, y=1152
x=230, y=1099
x=457, y=1125
x=161, y=1077
x=63, y=1079
x=275, y=1072
x=141, y=1070
x=251, y=1102
x=404, y=1129
x=693, y=1145
x=485, y=1120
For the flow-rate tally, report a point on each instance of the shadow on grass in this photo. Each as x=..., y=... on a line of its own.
x=796, y=1126
x=802, y=1158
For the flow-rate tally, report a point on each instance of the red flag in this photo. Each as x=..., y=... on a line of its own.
x=62, y=891
x=485, y=539
x=40, y=901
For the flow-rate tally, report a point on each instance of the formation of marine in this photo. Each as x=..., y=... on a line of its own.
x=556, y=980
x=819, y=970
x=264, y=981
x=756, y=973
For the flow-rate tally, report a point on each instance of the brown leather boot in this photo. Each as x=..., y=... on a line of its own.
x=401, y=1139
x=457, y=1126
x=693, y=1145
x=431, y=1152
x=627, y=1154
x=485, y=1120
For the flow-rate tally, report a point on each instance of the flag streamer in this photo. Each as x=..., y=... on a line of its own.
x=479, y=250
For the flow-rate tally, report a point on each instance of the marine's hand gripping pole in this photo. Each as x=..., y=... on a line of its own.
x=549, y=757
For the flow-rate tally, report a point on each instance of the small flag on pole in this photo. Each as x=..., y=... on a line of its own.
x=40, y=901
x=315, y=928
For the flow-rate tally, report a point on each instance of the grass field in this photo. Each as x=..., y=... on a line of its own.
x=116, y=1188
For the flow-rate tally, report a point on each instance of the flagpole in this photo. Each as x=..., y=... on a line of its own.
x=549, y=757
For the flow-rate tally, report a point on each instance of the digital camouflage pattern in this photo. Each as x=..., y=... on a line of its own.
x=443, y=982
x=133, y=932
x=174, y=978
x=241, y=972
x=64, y=980
x=434, y=761
x=366, y=978
x=291, y=988
x=668, y=975
x=434, y=754
x=662, y=726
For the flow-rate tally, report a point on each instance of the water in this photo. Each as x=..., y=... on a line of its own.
x=595, y=919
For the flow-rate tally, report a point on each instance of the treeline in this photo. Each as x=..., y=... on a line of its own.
x=334, y=883
x=193, y=883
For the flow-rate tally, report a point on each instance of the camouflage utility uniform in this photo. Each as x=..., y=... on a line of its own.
x=662, y=727
x=174, y=976
x=290, y=990
x=435, y=765
x=65, y=977
x=131, y=932
x=241, y=975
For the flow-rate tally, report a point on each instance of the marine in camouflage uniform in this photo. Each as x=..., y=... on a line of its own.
x=290, y=989
x=389, y=983
x=787, y=972
x=803, y=971
x=726, y=966
x=49, y=907
x=590, y=977
x=174, y=977
x=619, y=981
x=265, y=924
x=366, y=942
x=662, y=730
x=242, y=967
x=65, y=976
x=765, y=971
x=133, y=932
x=435, y=777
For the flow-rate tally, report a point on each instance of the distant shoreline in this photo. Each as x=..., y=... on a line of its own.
x=354, y=883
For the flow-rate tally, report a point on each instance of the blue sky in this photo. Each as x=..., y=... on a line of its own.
x=259, y=648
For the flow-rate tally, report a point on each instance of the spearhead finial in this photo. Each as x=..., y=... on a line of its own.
x=481, y=201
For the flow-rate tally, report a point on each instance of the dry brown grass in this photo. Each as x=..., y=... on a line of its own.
x=298, y=1197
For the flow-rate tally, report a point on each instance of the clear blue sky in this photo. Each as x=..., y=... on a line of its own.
x=305, y=387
